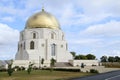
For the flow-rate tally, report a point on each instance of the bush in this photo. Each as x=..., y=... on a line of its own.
x=64, y=69
x=22, y=68
x=3, y=70
x=94, y=65
x=82, y=65
x=70, y=70
x=94, y=71
x=17, y=68
x=10, y=71
x=35, y=68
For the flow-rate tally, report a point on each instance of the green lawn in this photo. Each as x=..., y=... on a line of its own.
x=41, y=75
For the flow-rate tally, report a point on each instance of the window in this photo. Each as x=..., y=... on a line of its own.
x=24, y=45
x=61, y=46
x=62, y=37
x=53, y=49
x=34, y=35
x=52, y=36
x=32, y=45
x=42, y=45
x=21, y=46
x=66, y=46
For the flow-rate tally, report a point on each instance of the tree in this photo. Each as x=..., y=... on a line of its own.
x=52, y=64
x=29, y=67
x=117, y=59
x=90, y=56
x=73, y=54
x=42, y=61
x=104, y=59
x=77, y=57
x=10, y=69
x=111, y=59
x=82, y=57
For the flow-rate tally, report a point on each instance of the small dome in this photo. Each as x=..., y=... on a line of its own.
x=42, y=19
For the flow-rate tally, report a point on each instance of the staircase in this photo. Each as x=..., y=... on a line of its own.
x=63, y=64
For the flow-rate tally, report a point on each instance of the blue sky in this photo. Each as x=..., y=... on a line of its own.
x=90, y=26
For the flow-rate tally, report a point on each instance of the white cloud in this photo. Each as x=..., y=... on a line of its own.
x=111, y=28
x=8, y=35
x=8, y=19
x=95, y=7
x=114, y=53
x=84, y=41
x=85, y=11
x=6, y=56
x=75, y=12
x=8, y=41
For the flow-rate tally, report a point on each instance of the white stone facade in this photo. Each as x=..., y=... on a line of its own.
x=43, y=38
x=46, y=43
x=85, y=62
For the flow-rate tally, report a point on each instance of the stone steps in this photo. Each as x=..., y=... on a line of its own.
x=63, y=64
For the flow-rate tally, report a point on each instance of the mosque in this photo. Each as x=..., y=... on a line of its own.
x=42, y=38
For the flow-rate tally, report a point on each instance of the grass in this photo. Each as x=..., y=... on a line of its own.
x=42, y=75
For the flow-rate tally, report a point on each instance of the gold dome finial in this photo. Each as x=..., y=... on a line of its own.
x=42, y=19
x=43, y=8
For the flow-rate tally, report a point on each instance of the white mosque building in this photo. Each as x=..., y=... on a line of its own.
x=42, y=38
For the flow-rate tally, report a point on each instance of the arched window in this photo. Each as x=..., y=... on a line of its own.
x=34, y=35
x=53, y=49
x=32, y=45
x=21, y=46
x=62, y=37
x=24, y=45
x=66, y=47
x=52, y=36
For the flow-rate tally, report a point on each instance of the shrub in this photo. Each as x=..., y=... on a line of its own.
x=22, y=68
x=94, y=71
x=30, y=67
x=87, y=71
x=64, y=69
x=94, y=65
x=10, y=69
x=82, y=65
x=35, y=68
x=3, y=70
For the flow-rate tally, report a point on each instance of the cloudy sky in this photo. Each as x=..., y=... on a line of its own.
x=90, y=26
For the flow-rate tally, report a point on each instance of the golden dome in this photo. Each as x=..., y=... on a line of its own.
x=42, y=19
